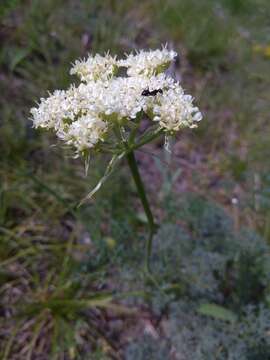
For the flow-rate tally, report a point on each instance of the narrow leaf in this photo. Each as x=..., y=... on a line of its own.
x=217, y=312
x=18, y=56
x=111, y=166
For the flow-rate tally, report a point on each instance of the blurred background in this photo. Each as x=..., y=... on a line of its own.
x=71, y=282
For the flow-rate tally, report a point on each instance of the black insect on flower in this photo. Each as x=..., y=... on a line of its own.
x=147, y=92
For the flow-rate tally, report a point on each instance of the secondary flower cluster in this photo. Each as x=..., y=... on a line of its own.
x=84, y=115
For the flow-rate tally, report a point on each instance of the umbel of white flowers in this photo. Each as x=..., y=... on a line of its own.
x=84, y=116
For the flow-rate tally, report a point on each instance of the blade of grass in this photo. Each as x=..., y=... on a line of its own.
x=36, y=332
x=11, y=341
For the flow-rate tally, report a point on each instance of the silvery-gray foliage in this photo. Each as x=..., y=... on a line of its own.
x=200, y=338
x=191, y=336
x=148, y=348
x=208, y=262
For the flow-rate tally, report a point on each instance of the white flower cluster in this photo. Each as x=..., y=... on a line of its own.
x=173, y=106
x=83, y=116
x=148, y=62
x=95, y=68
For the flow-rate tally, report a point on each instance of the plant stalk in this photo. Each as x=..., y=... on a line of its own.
x=141, y=192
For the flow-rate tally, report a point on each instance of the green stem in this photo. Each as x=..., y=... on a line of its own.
x=141, y=192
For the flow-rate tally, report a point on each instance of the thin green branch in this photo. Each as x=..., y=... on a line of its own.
x=147, y=139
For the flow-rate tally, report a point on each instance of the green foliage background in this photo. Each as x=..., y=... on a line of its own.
x=63, y=270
